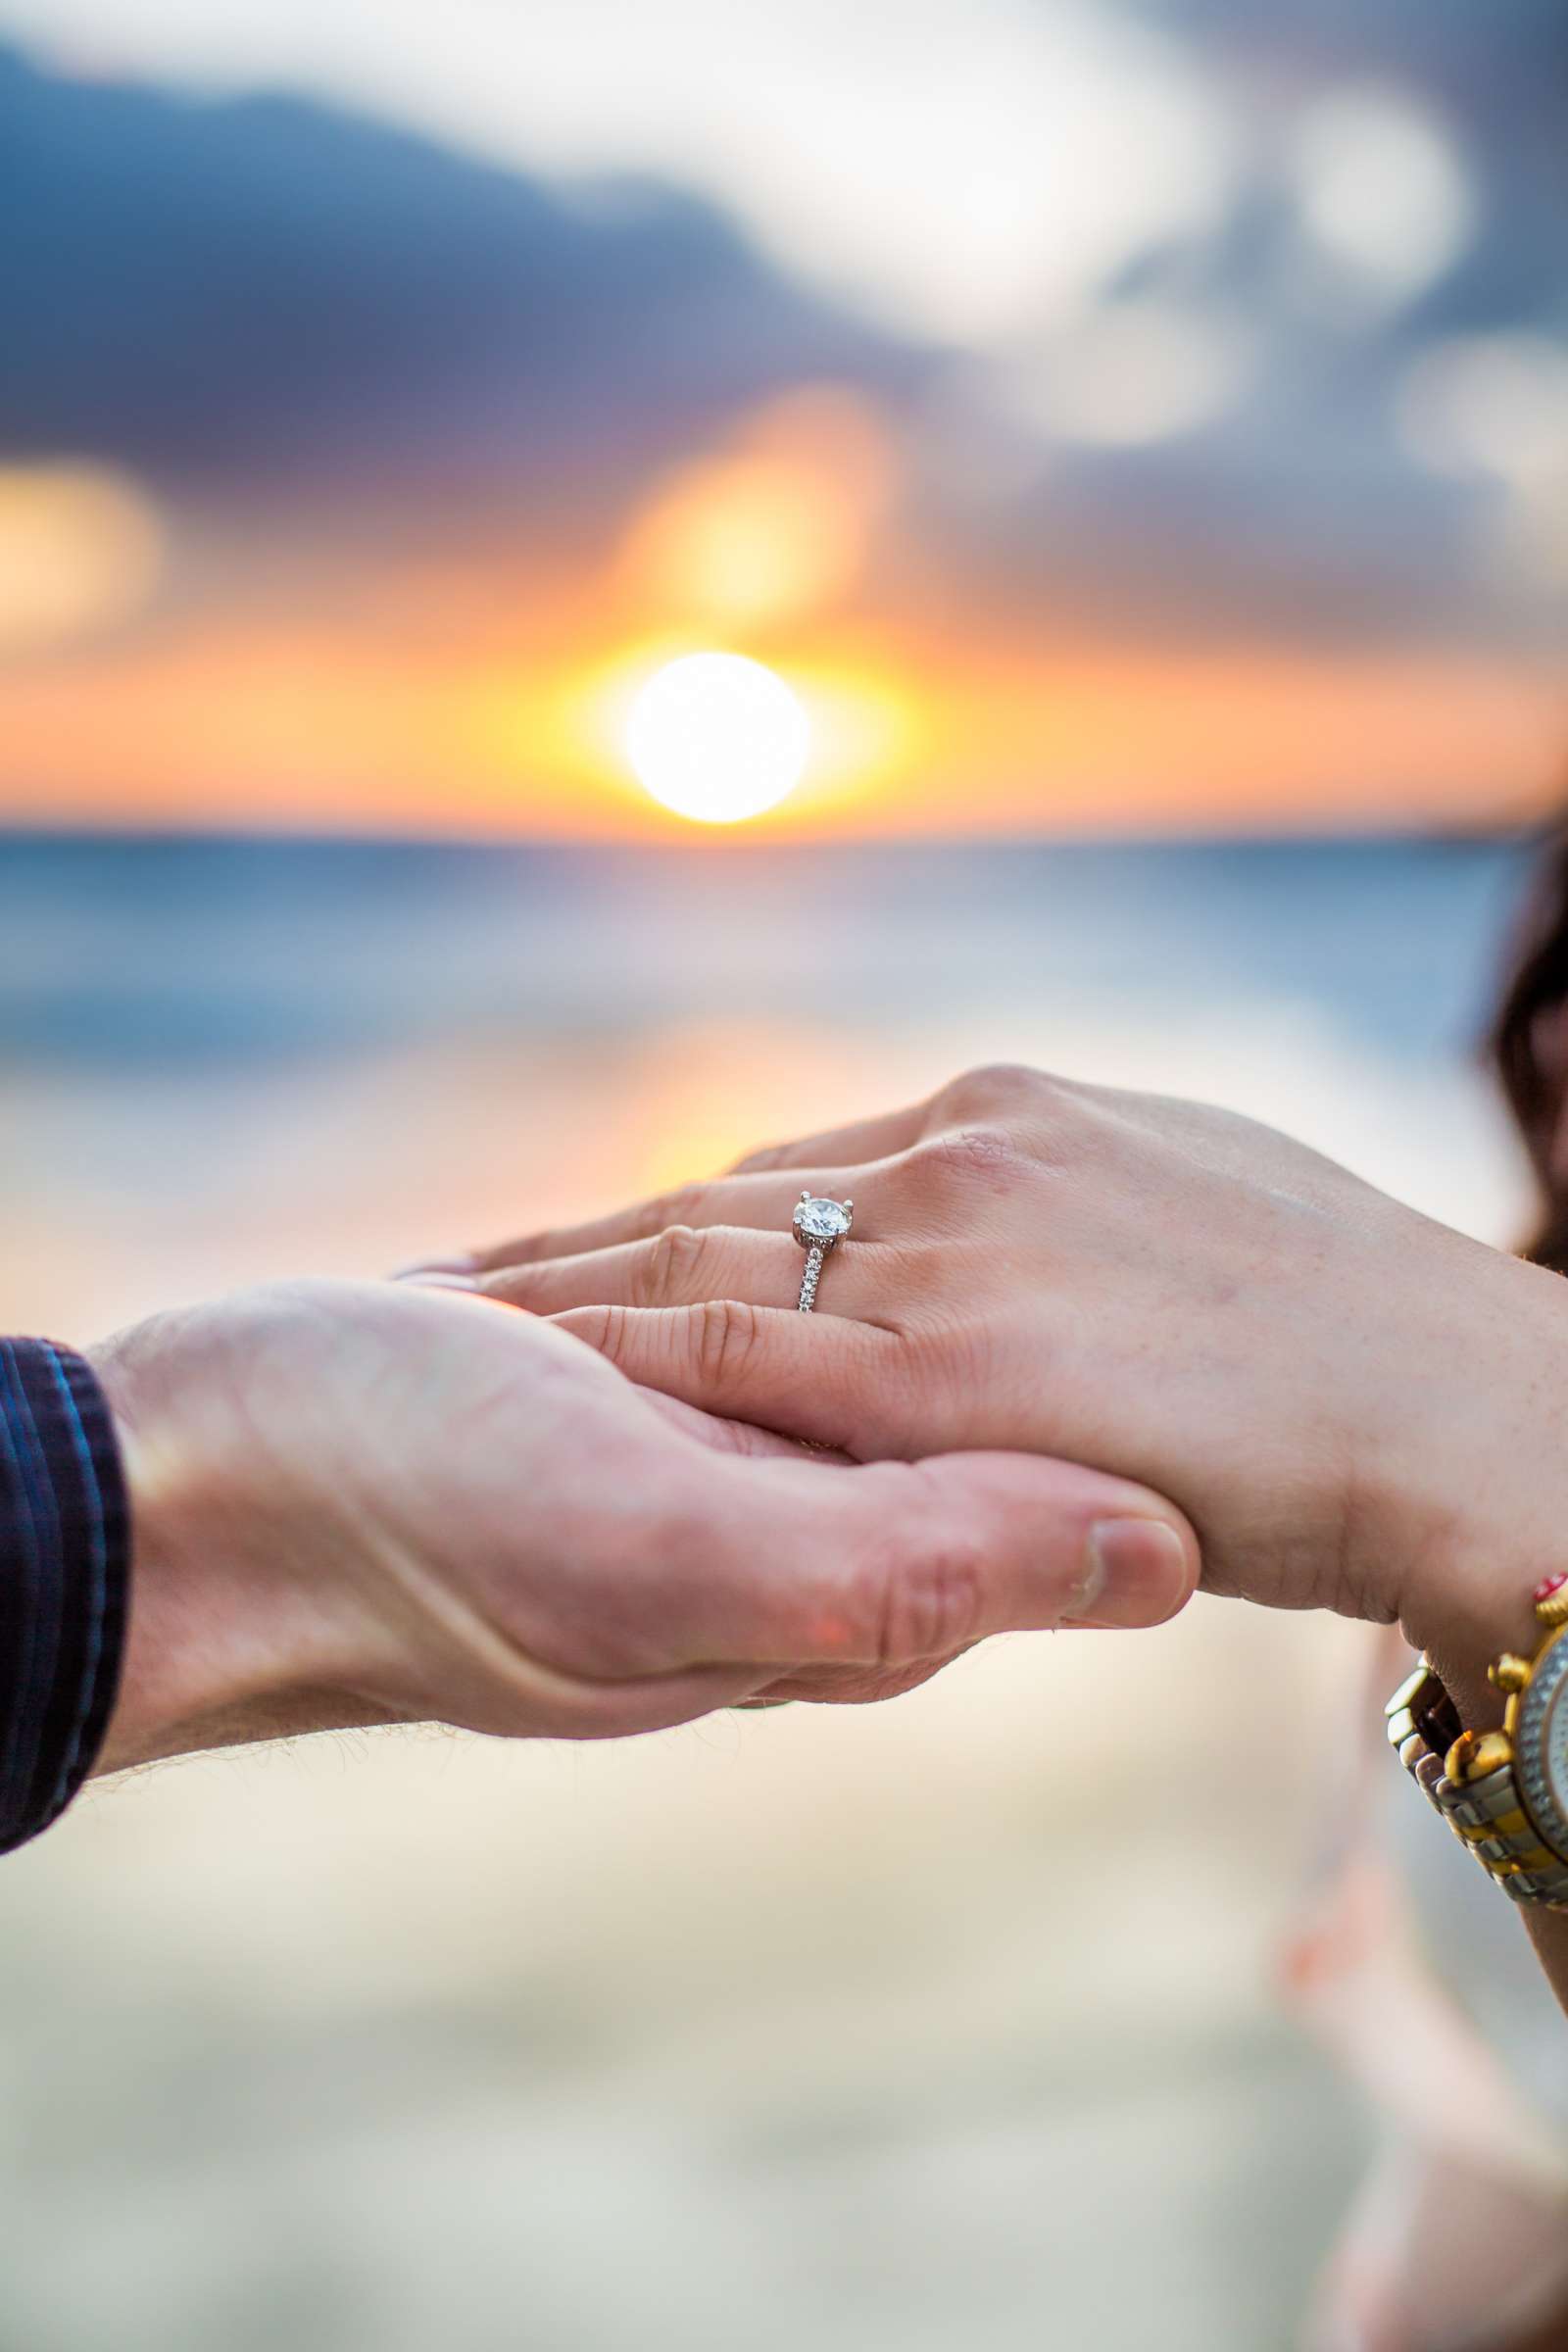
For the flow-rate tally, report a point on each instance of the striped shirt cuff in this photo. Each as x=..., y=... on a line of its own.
x=65, y=1575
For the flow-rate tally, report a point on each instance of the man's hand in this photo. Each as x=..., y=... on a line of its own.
x=1357, y=1408
x=364, y=1503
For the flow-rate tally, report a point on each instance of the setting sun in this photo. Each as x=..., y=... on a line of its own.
x=717, y=737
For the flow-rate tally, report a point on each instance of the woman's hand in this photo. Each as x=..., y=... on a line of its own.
x=1357, y=1408
x=356, y=1503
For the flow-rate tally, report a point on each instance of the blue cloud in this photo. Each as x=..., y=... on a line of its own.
x=265, y=288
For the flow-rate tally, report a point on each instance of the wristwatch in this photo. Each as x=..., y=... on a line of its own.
x=1504, y=1793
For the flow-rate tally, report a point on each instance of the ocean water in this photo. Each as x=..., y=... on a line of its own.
x=856, y=2028
x=244, y=1057
x=169, y=949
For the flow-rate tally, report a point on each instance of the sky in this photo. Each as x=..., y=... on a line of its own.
x=1099, y=415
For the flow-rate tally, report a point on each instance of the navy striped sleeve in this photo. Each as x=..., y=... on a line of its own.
x=65, y=1575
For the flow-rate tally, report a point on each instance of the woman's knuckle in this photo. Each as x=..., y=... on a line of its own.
x=963, y=1157
x=602, y=1328
x=995, y=1085
x=725, y=1335
x=668, y=1267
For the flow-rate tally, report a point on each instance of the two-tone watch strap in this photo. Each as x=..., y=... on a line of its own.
x=1471, y=1782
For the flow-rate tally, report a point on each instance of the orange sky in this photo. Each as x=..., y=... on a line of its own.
x=162, y=674
x=263, y=724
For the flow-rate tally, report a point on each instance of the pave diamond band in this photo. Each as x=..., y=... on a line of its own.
x=819, y=1225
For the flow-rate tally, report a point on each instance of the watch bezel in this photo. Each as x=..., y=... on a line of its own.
x=1529, y=1716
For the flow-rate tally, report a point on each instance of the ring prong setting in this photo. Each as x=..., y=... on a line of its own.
x=820, y=1223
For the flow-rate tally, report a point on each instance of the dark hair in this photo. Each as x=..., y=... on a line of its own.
x=1530, y=1044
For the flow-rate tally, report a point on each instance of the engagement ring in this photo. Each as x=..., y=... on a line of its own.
x=820, y=1226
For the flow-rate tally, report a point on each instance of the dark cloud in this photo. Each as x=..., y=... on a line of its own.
x=265, y=288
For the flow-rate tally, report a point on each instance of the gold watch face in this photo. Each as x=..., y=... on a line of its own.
x=1540, y=1746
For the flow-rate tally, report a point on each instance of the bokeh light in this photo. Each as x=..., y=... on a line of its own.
x=1493, y=409
x=1490, y=404
x=1130, y=374
x=80, y=548
x=774, y=524
x=1384, y=191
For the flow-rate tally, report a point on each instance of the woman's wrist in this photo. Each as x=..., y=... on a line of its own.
x=1482, y=1477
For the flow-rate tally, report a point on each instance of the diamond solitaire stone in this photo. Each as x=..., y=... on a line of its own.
x=820, y=1226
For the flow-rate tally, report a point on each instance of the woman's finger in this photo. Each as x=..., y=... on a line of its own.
x=688, y=1263
x=757, y=1201
x=830, y=1379
x=842, y=1147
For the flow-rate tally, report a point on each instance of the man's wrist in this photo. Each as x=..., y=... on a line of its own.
x=226, y=1640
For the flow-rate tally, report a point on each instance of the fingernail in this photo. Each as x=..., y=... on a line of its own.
x=427, y=1279
x=462, y=1262
x=1135, y=1572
